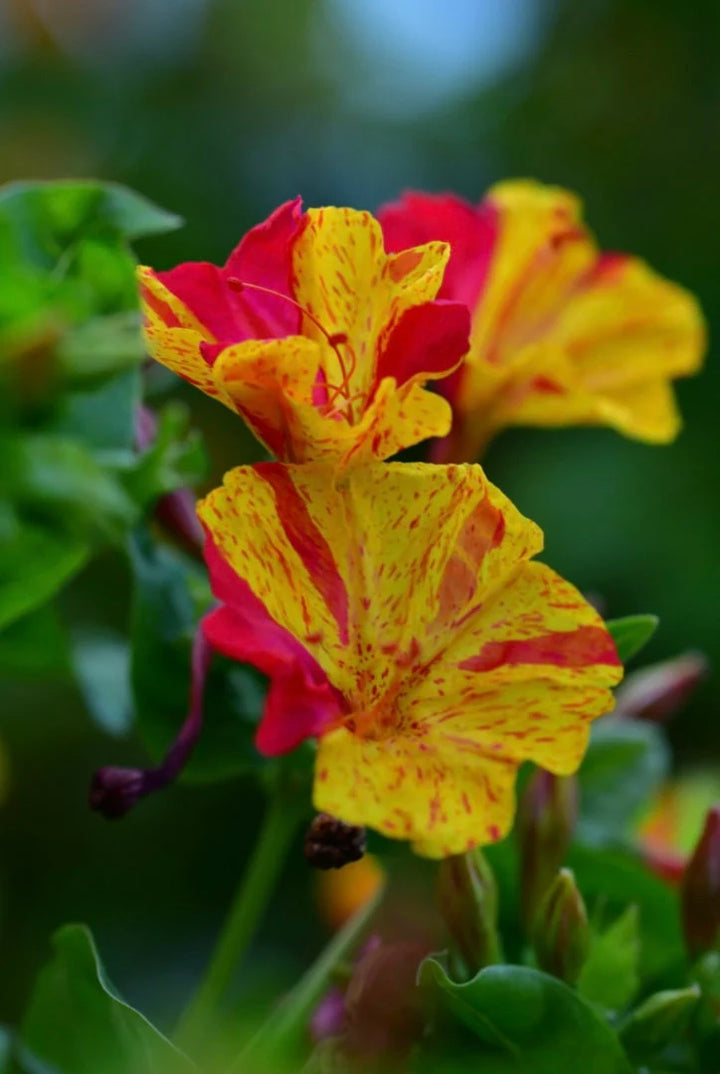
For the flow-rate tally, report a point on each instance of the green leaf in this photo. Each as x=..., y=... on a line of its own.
x=611, y=880
x=34, y=645
x=175, y=459
x=101, y=347
x=102, y=416
x=632, y=633
x=60, y=209
x=164, y=618
x=529, y=1022
x=34, y=564
x=101, y=662
x=79, y=1024
x=60, y=480
x=610, y=975
x=626, y=762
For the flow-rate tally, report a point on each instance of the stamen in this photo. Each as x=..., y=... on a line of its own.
x=334, y=341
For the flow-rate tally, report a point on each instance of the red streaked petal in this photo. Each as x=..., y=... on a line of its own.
x=471, y=231
x=428, y=341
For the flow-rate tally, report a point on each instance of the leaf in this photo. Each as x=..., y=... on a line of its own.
x=34, y=645
x=164, y=618
x=610, y=975
x=612, y=879
x=60, y=480
x=626, y=762
x=102, y=416
x=62, y=208
x=631, y=634
x=101, y=347
x=530, y=1023
x=78, y=1023
x=175, y=459
x=34, y=564
x=101, y=662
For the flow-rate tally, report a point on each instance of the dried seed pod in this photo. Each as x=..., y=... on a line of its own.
x=330, y=843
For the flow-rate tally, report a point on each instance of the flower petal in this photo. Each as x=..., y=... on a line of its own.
x=173, y=335
x=300, y=702
x=441, y=796
x=345, y=280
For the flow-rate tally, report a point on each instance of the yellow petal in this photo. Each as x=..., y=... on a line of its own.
x=356, y=291
x=442, y=797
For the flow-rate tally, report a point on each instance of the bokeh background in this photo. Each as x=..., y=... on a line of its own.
x=221, y=109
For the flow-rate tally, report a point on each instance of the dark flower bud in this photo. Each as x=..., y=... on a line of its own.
x=468, y=898
x=700, y=889
x=330, y=843
x=114, y=791
x=657, y=692
x=384, y=1008
x=561, y=935
x=547, y=814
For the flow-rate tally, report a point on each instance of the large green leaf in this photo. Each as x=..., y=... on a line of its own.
x=626, y=761
x=632, y=633
x=527, y=1021
x=170, y=592
x=77, y=1022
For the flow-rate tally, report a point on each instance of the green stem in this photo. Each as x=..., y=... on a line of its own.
x=284, y=1029
x=248, y=906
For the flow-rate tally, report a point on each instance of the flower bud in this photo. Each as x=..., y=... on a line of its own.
x=657, y=692
x=114, y=791
x=700, y=890
x=561, y=935
x=659, y=1021
x=468, y=899
x=547, y=814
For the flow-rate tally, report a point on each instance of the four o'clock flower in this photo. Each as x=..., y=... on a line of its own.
x=562, y=334
x=404, y=625
x=314, y=334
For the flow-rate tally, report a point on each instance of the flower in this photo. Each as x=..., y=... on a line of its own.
x=562, y=334
x=315, y=335
x=403, y=625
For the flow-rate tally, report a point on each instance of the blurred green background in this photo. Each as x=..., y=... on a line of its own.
x=221, y=109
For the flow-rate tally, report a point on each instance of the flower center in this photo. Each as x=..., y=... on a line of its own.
x=335, y=392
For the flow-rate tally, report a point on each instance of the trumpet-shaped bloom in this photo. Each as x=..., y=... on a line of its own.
x=562, y=333
x=403, y=624
x=315, y=335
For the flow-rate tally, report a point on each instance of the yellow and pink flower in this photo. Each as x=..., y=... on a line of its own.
x=562, y=334
x=314, y=334
x=403, y=624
